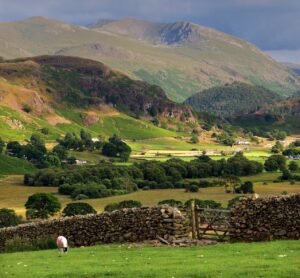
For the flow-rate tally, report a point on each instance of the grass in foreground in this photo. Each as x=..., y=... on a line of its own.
x=269, y=259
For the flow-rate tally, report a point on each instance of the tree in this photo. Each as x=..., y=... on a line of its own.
x=275, y=162
x=193, y=188
x=52, y=160
x=246, y=187
x=42, y=205
x=116, y=148
x=231, y=183
x=78, y=209
x=2, y=145
x=8, y=218
x=14, y=148
x=194, y=139
x=277, y=148
x=61, y=151
x=293, y=166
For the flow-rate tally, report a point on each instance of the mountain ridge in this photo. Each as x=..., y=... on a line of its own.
x=181, y=69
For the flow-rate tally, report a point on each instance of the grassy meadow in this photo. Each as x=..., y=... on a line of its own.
x=267, y=259
x=13, y=194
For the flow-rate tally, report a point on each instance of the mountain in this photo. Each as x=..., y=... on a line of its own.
x=293, y=67
x=231, y=100
x=281, y=114
x=65, y=93
x=183, y=58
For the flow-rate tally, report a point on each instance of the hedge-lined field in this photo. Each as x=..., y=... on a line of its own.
x=270, y=259
x=13, y=194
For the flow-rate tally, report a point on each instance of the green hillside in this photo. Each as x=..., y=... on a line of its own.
x=65, y=94
x=14, y=166
x=182, y=58
x=232, y=100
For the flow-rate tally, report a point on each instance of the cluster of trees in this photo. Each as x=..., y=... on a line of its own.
x=85, y=142
x=115, y=147
x=226, y=138
x=107, y=179
x=271, y=134
x=35, y=152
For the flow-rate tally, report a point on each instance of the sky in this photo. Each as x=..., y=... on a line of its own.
x=270, y=24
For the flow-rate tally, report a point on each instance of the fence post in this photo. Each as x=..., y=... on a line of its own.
x=193, y=219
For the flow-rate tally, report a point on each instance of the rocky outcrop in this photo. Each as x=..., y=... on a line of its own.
x=132, y=225
x=266, y=219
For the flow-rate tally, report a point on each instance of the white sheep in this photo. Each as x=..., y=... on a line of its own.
x=255, y=196
x=62, y=244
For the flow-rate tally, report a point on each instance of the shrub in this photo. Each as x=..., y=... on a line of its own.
x=204, y=203
x=8, y=218
x=42, y=205
x=193, y=188
x=234, y=201
x=78, y=209
x=171, y=202
x=275, y=162
x=45, y=130
x=246, y=187
x=123, y=204
x=27, y=108
x=293, y=166
x=204, y=183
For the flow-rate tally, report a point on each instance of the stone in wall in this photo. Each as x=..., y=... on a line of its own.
x=266, y=219
x=133, y=225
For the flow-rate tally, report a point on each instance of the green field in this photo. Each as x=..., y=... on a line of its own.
x=11, y=165
x=269, y=259
x=13, y=194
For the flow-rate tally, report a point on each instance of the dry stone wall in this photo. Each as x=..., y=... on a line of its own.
x=136, y=224
x=266, y=219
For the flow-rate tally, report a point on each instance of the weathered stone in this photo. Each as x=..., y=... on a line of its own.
x=136, y=224
x=266, y=219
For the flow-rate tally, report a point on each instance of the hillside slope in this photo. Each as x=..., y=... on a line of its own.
x=67, y=93
x=232, y=100
x=183, y=58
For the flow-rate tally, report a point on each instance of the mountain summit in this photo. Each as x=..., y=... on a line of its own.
x=158, y=33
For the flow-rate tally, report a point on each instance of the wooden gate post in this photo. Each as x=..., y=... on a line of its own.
x=193, y=219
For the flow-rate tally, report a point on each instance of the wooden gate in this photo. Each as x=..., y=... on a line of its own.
x=210, y=224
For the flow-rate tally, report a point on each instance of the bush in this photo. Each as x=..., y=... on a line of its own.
x=234, y=201
x=204, y=204
x=78, y=209
x=42, y=205
x=246, y=187
x=171, y=202
x=123, y=204
x=8, y=218
x=293, y=166
x=27, y=108
x=193, y=188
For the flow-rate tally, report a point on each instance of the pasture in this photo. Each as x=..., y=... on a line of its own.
x=266, y=259
x=13, y=194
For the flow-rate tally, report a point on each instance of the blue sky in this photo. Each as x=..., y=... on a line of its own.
x=270, y=24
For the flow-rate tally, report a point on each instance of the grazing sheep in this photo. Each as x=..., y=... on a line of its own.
x=62, y=244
